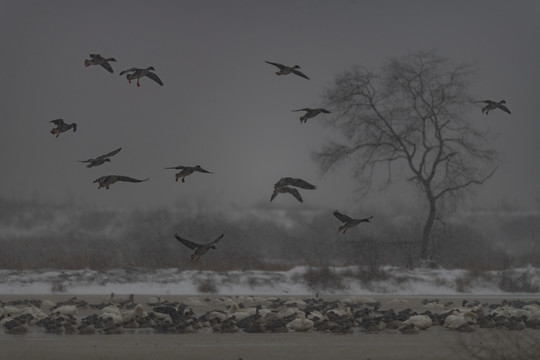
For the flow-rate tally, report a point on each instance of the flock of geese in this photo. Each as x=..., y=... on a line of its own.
x=285, y=185
x=256, y=314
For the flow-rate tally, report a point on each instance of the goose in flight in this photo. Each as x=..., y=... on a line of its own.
x=187, y=170
x=283, y=186
x=311, y=113
x=491, y=105
x=348, y=222
x=106, y=181
x=286, y=70
x=200, y=249
x=137, y=73
x=97, y=59
x=100, y=159
x=61, y=127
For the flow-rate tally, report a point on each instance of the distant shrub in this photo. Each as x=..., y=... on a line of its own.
x=323, y=278
x=207, y=286
x=512, y=281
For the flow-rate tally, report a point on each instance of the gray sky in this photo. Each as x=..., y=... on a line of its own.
x=222, y=107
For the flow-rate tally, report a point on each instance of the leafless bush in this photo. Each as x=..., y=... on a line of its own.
x=323, y=278
x=207, y=286
x=512, y=281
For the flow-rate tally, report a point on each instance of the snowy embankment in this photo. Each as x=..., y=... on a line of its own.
x=297, y=281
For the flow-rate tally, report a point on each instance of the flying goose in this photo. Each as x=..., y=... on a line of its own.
x=187, y=170
x=106, y=181
x=97, y=59
x=311, y=113
x=137, y=73
x=491, y=105
x=200, y=249
x=348, y=222
x=283, y=186
x=286, y=70
x=61, y=127
x=100, y=159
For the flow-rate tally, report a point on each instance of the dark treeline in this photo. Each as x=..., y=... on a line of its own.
x=45, y=236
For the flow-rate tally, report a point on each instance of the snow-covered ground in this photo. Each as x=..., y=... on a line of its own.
x=343, y=280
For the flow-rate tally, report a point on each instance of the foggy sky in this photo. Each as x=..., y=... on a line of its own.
x=224, y=108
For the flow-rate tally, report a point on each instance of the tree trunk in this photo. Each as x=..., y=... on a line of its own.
x=428, y=226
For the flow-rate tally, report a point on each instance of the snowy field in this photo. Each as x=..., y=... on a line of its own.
x=297, y=281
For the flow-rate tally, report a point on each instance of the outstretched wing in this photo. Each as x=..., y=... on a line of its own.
x=294, y=182
x=279, y=66
x=274, y=194
x=504, y=108
x=154, y=77
x=128, y=70
x=483, y=101
x=129, y=179
x=301, y=74
x=321, y=110
x=179, y=167
x=189, y=244
x=304, y=109
x=107, y=66
x=217, y=240
x=341, y=217
x=112, y=153
x=295, y=193
x=57, y=122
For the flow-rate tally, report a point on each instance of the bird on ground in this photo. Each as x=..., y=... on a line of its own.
x=286, y=70
x=100, y=159
x=348, y=222
x=187, y=170
x=491, y=105
x=108, y=180
x=310, y=113
x=61, y=127
x=283, y=186
x=200, y=249
x=97, y=59
x=137, y=73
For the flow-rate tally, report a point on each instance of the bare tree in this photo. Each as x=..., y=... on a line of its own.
x=410, y=112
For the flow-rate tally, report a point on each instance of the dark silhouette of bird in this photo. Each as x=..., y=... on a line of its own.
x=286, y=70
x=137, y=73
x=100, y=159
x=491, y=105
x=61, y=127
x=106, y=181
x=310, y=113
x=200, y=249
x=348, y=222
x=283, y=186
x=97, y=59
x=187, y=170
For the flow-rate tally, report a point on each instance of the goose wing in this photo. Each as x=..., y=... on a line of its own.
x=128, y=70
x=57, y=122
x=294, y=182
x=154, y=77
x=107, y=66
x=304, y=109
x=217, y=240
x=179, y=167
x=274, y=194
x=129, y=179
x=189, y=244
x=299, y=73
x=295, y=193
x=279, y=66
x=112, y=153
x=342, y=217
x=504, y=108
